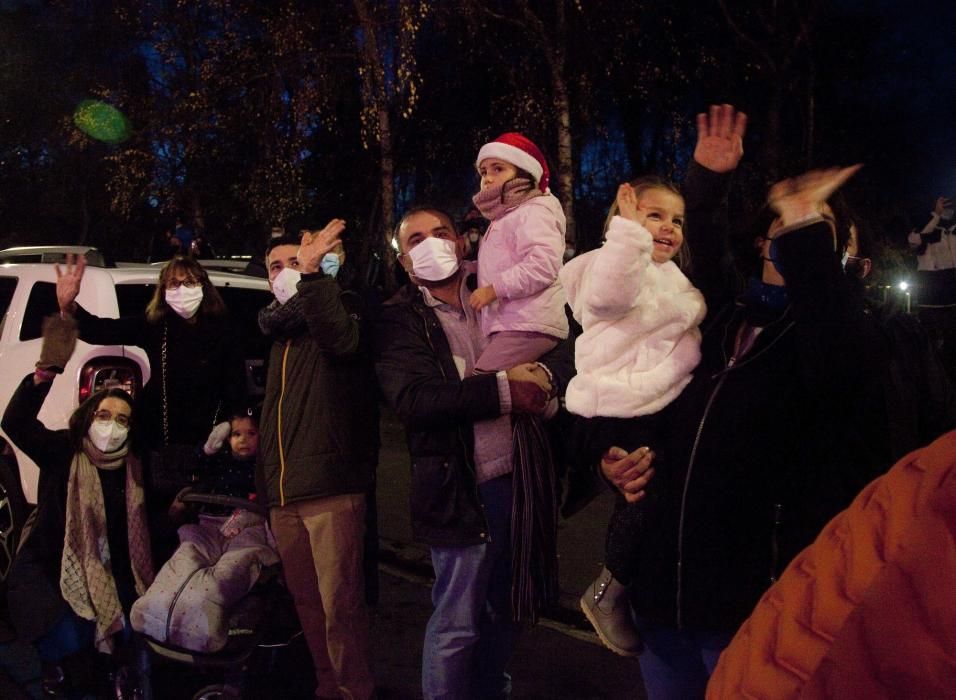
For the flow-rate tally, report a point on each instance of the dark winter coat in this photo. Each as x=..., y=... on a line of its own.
x=321, y=401
x=205, y=377
x=759, y=451
x=420, y=380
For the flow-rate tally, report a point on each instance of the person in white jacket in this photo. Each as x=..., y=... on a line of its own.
x=935, y=248
x=640, y=315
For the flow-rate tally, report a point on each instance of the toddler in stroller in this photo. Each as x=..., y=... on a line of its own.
x=220, y=557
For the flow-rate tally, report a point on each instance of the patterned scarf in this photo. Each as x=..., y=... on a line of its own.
x=283, y=320
x=86, y=581
x=496, y=201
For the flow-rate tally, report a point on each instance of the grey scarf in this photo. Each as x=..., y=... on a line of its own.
x=283, y=320
x=495, y=202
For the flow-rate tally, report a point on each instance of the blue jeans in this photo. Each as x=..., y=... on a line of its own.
x=676, y=664
x=470, y=635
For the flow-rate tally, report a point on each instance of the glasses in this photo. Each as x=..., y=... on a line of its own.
x=105, y=416
x=188, y=284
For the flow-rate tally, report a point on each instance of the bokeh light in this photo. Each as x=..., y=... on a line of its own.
x=101, y=121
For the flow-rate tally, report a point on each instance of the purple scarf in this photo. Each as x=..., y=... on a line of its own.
x=496, y=201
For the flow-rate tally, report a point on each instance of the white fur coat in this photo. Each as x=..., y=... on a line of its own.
x=641, y=339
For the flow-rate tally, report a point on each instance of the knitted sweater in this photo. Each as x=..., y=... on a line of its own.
x=641, y=339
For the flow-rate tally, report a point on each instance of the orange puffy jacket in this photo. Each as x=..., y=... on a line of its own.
x=869, y=609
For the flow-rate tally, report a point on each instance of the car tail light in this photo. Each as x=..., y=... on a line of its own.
x=109, y=373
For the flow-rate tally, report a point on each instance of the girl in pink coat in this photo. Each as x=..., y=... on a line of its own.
x=518, y=294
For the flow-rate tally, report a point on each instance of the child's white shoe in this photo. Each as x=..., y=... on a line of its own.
x=607, y=608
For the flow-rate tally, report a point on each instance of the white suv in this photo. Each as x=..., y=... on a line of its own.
x=28, y=294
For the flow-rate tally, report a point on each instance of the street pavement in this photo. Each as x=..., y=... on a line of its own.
x=559, y=658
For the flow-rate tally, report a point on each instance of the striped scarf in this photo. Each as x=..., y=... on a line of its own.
x=534, y=521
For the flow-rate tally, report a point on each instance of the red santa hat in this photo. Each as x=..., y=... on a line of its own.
x=521, y=152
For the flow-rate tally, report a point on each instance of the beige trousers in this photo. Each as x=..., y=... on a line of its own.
x=320, y=544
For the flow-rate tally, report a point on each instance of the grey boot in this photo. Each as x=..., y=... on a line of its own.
x=606, y=605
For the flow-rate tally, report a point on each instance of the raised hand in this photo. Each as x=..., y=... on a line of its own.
x=720, y=138
x=315, y=244
x=629, y=473
x=68, y=283
x=627, y=204
x=803, y=196
x=217, y=437
x=942, y=203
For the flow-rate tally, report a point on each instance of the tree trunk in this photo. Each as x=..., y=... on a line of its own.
x=562, y=103
x=378, y=101
x=565, y=161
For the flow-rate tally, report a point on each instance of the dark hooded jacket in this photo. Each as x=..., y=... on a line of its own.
x=318, y=434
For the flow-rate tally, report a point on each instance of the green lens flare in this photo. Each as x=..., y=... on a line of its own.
x=101, y=121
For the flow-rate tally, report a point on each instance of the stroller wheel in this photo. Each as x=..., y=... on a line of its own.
x=217, y=691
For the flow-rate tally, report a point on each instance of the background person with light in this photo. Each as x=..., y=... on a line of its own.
x=935, y=248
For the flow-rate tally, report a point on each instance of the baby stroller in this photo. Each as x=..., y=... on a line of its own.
x=260, y=625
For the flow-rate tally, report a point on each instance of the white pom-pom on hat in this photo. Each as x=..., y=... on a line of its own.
x=521, y=152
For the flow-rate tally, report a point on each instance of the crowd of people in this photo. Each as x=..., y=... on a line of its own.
x=733, y=419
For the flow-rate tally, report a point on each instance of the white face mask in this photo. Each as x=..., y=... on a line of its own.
x=185, y=300
x=284, y=284
x=434, y=259
x=107, y=436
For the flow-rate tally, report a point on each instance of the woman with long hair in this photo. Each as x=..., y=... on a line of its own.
x=87, y=556
x=196, y=368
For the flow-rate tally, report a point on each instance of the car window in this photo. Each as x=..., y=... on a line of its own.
x=7, y=286
x=133, y=298
x=42, y=303
x=244, y=306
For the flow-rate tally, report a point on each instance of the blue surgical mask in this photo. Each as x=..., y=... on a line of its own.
x=330, y=264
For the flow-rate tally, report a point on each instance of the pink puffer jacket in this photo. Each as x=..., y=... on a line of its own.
x=520, y=256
